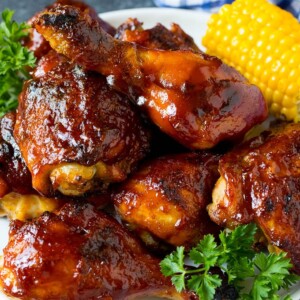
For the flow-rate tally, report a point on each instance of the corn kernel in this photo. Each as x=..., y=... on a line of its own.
x=287, y=102
x=262, y=41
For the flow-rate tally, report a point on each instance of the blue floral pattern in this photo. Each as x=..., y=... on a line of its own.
x=212, y=5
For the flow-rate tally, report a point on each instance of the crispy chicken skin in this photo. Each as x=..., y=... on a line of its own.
x=260, y=181
x=167, y=198
x=36, y=43
x=90, y=11
x=76, y=134
x=199, y=105
x=158, y=37
x=80, y=253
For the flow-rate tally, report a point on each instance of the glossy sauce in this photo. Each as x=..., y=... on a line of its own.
x=76, y=118
x=263, y=184
x=194, y=98
x=167, y=198
x=80, y=253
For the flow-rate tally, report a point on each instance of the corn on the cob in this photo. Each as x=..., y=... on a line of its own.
x=261, y=41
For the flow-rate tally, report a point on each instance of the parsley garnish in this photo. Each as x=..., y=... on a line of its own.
x=14, y=60
x=236, y=257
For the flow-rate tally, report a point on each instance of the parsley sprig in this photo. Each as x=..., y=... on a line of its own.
x=14, y=60
x=235, y=256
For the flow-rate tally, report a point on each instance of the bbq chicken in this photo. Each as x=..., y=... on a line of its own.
x=260, y=181
x=79, y=140
x=166, y=199
x=80, y=253
x=199, y=105
x=76, y=135
x=18, y=200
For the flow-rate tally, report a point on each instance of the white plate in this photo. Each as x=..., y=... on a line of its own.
x=193, y=22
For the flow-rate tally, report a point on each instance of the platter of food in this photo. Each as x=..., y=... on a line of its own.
x=193, y=23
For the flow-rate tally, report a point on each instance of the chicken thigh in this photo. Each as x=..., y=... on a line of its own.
x=166, y=199
x=76, y=134
x=260, y=181
x=193, y=97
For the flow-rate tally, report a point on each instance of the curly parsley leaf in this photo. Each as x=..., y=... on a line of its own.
x=273, y=274
x=204, y=285
x=205, y=253
x=238, y=243
x=15, y=60
x=235, y=256
x=239, y=271
x=174, y=262
x=174, y=266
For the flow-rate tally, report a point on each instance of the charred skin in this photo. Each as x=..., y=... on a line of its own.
x=199, y=105
x=80, y=253
x=260, y=181
x=85, y=134
x=36, y=43
x=166, y=199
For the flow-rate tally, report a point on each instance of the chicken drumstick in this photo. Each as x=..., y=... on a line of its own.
x=80, y=253
x=193, y=97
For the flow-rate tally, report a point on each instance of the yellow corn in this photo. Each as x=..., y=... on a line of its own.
x=261, y=41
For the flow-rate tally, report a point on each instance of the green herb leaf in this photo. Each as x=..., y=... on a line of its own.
x=179, y=282
x=239, y=271
x=204, y=285
x=237, y=259
x=173, y=263
x=205, y=253
x=273, y=274
x=15, y=60
x=238, y=243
